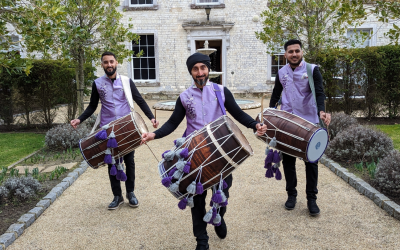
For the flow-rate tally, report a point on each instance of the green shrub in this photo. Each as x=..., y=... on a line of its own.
x=387, y=176
x=359, y=144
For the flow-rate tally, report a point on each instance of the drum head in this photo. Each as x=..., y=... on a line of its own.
x=238, y=135
x=317, y=145
x=140, y=124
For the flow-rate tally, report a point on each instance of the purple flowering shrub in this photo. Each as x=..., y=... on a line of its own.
x=64, y=136
x=340, y=121
x=387, y=175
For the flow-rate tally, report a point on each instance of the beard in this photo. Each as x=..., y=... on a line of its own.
x=112, y=72
x=296, y=64
x=201, y=82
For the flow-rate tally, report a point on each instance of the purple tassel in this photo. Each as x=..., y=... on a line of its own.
x=184, y=153
x=268, y=165
x=171, y=173
x=113, y=170
x=166, y=181
x=112, y=143
x=101, y=135
x=108, y=159
x=123, y=176
x=199, y=188
x=278, y=174
x=217, y=198
x=224, y=204
x=175, y=142
x=118, y=175
x=269, y=173
x=270, y=156
x=182, y=204
x=214, y=214
x=224, y=184
x=186, y=169
x=165, y=153
x=211, y=203
x=276, y=158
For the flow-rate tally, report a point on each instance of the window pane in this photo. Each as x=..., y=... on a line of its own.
x=136, y=63
x=274, y=60
x=143, y=63
x=274, y=71
x=150, y=39
x=149, y=1
x=152, y=63
x=134, y=1
x=136, y=49
x=152, y=74
x=150, y=51
x=145, y=74
x=282, y=60
x=145, y=51
x=142, y=1
x=136, y=73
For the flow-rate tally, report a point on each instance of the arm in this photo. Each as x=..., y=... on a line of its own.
x=276, y=93
x=237, y=112
x=173, y=122
x=319, y=90
x=94, y=102
x=137, y=97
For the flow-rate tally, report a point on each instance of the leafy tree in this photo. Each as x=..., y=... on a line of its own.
x=317, y=23
x=88, y=28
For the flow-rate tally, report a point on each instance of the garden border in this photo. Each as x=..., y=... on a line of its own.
x=363, y=188
x=21, y=160
x=16, y=230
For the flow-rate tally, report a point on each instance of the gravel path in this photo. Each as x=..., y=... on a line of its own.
x=256, y=218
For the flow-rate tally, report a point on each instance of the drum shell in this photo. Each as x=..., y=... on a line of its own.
x=290, y=127
x=126, y=129
x=210, y=156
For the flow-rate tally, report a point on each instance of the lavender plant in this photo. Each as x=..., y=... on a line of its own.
x=387, y=175
x=19, y=187
x=359, y=144
x=340, y=121
x=64, y=136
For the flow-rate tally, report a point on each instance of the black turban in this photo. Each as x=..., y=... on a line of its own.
x=198, y=58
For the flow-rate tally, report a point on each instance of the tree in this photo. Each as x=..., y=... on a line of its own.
x=317, y=23
x=88, y=28
x=386, y=11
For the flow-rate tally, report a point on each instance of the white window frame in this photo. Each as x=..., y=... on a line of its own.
x=149, y=82
x=129, y=4
x=196, y=2
x=269, y=72
x=367, y=26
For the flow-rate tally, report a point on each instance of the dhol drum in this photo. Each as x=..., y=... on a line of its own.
x=294, y=135
x=117, y=139
x=204, y=158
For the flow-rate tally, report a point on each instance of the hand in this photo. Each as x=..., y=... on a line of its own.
x=261, y=129
x=147, y=137
x=154, y=122
x=75, y=123
x=325, y=117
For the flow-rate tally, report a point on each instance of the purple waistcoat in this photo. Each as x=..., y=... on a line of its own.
x=297, y=97
x=201, y=106
x=113, y=101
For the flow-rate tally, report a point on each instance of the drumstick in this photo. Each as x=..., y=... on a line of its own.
x=152, y=152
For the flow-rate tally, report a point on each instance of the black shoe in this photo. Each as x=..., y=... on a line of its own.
x=133, y=202
x=201, y=246
x=313, y=208
x=118, y=200
x=290, y=203
x=221, y=230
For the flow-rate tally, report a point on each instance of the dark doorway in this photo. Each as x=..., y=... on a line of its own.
x=216, y=57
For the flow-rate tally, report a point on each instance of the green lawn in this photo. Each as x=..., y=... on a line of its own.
x=393, y=131
x=14, y=146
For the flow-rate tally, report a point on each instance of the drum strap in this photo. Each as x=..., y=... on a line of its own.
x=219, y=97
x=312, y=87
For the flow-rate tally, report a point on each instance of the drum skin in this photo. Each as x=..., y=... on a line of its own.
x=290, y=127
x=127, y=129
x=209, y=154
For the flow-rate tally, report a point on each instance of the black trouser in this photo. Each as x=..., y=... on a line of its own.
x=199, y=210
x=130, y=174
x=289, y=167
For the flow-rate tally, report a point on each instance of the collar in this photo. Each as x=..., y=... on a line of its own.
x=207, y=84
x=117, y=77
